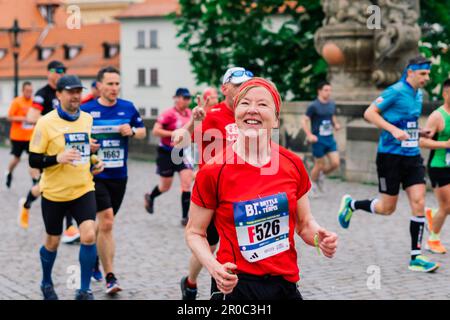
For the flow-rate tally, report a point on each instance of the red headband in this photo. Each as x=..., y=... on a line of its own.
x=260, y=82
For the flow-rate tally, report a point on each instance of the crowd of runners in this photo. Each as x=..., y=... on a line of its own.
x=244, y=237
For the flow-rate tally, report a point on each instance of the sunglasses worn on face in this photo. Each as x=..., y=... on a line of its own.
x=58, y=70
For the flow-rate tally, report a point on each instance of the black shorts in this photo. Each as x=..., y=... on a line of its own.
x=109, y=193
x=81, y=209
x=440, y=177
x=212, y=235
x=394, y=170
x=18, y=147
x=165, y=167
x=251, y=287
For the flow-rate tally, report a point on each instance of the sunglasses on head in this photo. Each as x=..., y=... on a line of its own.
x=240, y=73
x=58, y=70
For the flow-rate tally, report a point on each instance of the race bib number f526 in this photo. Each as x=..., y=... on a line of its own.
x=80, y=142
x=262, y=226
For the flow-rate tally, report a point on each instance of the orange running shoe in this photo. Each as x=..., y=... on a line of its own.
x=435, y=246
x=71, y=235
x=429, y=214
x=24, y=214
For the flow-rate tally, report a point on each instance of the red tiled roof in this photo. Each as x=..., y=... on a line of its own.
x=150, y=8
x=90, y=37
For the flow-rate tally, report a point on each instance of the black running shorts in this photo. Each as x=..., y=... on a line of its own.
x=250, y=287
x=81, y=209
x=395, y=170
x=109, y=193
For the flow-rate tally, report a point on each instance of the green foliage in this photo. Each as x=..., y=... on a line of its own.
x=220, y=33
x=435, y=23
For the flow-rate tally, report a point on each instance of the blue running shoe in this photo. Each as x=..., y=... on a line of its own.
x=49, y=292
x=345, y=212
x=423, y=264
x=84, y=295
x=97, y=276
x=112, y=285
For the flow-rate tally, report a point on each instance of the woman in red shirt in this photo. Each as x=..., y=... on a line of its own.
x=256, y=192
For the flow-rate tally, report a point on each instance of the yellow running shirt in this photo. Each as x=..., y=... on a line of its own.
x=51, y=136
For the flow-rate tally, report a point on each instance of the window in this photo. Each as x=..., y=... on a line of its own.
x=153, y=39
x=153, y=77
x=142, y=112
x=71, y=51
x=3, y=52
x=154, y=112
x=110, y=50
x=44, y=52
x=141, y=39
x=141, y=77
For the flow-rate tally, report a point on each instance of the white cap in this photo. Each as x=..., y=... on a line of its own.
x=228, y=77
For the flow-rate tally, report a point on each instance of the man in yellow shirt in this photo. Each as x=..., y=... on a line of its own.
x=21, y=130
x=60, y=146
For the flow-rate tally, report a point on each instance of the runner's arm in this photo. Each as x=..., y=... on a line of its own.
x=373, y=115
x=41, y=161
x=434, y=124
x=33, y=115
x=140, y=133
x=158, y=131
x=12, y=113
x=336, y=123
x=199, y=220
x=306, y=125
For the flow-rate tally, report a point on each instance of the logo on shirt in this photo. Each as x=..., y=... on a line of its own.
x=232, y=132
x=379, y=100
x=96, y=114
x=55, y=103
x=120, y=113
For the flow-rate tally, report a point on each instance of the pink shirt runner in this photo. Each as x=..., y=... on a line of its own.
x=171, y=120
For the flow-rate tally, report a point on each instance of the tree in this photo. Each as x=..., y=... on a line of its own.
x=435, y=23
x=272, y=38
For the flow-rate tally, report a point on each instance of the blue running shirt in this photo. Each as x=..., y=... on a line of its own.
x=113, y=146
x=401, y=106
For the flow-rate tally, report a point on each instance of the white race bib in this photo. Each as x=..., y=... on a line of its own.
x=262, y=226
x=326, y=128
x=79, y=141
x=413, y=131
x=447, y=158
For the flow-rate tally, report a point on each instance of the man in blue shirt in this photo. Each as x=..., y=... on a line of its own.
x=399, y=162
x=318, y=124
x=115, y=121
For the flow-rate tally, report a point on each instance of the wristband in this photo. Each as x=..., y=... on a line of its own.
x=134, y=131
x=316, y=243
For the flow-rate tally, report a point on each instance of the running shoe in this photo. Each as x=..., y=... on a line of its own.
x=148, y=203
x=186, y=292
x=84, y=295
x=314, y=191
x=8, y=179
x=70, y=235
x=96, y=273
x=49, y=292
x=345, y=212
x=429, y=214
x=112, y=285
x=423, y=264
x=321, y=182
x=435, y=246
x=24, y=214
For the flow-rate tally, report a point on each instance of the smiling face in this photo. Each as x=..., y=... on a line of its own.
x=255, y=113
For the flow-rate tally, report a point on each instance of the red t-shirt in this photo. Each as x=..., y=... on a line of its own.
x=217, y=130
x=171, y=120
x=255, y=214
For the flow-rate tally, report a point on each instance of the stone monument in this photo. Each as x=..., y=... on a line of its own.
x=364, y=59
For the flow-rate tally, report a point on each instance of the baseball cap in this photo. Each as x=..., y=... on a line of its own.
x=237, y=75
x=183, y=92
x=69, y=82
x=55, y=64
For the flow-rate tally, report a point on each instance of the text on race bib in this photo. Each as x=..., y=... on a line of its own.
x=262, y=226
x=112, y=153
x=80, y=142
x=412, y=129
x=326, y=128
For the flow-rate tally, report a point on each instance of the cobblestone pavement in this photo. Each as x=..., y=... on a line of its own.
x=152, y=256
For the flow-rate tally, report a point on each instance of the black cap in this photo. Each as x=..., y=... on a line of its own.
x=69, y=82
x=55, y=64
x=183, y=92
